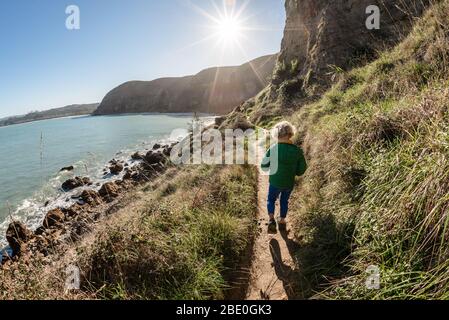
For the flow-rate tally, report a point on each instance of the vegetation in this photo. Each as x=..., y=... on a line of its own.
x=189, y=238
x=182, y=243
x=377, y=190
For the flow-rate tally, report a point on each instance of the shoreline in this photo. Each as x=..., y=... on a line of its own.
x=174, y=114
x=87, y=202
x=68, y=224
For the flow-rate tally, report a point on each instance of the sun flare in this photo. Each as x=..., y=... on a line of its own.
x=229, y=29
x=227, y=23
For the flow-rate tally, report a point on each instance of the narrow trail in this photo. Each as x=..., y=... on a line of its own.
x=273, y=266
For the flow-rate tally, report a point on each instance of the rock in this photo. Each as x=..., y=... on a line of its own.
x=91, y=197
x=78, y=229
x=17, y=235
x=69, y=168
x=219, y=121
x=74, y=183
x=109, y=191
x=39, y=231
x=156, y=146
x=152, y=158
x=323, y=33
x=116, y=168
x=167, y=151
x=137, y=156
x=128, y=174
x=54, y=218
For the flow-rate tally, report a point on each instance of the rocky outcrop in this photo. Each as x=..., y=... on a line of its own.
x=109, y=191
x=53, y=218
x=116, y=167
x=214, y=90
x=74, y=183
x=69, y=168
x=320, y=34
x=17, y=235
x=91, y=197
x=322, y=39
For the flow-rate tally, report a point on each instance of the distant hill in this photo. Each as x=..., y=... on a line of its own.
x=67, y=111
x=215, y=90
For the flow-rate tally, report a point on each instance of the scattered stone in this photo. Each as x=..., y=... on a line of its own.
x=137, y=156
x=109, y=191
x=219, y=121
x=116, y=168
x=128, y=174
x=154, y=158
x=156, y=146
x=167, y=151
x=91, y=197
x=74, y=183
x=53, y=218
x=17, y=235
x=69, y=168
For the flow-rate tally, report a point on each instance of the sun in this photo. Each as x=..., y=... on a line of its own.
x=227, y=24
x=229, y=29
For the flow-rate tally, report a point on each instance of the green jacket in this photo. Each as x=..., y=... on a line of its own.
x=291, y=163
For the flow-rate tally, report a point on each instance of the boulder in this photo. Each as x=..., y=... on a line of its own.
x=156, y=146
x=54, y=218
x=17, y=234
x=109, y=191
x=74, y=183
x=167, y=151
x=137, y=156
x=69, y=168
x=152, y=158
x=91, y=197
x=128, y=174
x=116, y=168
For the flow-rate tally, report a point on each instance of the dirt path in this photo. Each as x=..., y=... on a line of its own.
x=273, y=264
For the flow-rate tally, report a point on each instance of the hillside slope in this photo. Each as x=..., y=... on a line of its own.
x=323, y=38
x=214, y=90
x=377, y=190
x=67, y=111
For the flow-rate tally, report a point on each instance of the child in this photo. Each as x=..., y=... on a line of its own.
x=290, y=163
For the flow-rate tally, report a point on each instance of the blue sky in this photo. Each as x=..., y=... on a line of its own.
x=44, y=65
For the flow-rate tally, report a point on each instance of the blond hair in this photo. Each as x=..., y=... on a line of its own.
x=284, y=130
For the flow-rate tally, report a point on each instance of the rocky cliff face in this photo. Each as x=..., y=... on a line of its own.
x=323, y=38
x=322, y=34
x=215, y=90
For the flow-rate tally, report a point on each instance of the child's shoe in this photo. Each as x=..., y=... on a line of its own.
x=272, y=226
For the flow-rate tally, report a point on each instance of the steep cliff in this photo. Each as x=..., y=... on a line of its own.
x=324, y=38
x=214, y=90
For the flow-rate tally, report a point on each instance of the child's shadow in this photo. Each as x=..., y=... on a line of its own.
x=285, y=273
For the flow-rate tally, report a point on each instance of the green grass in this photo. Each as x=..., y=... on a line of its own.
x=377, y=188
x=182, y=245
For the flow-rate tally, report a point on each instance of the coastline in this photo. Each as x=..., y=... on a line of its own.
x=84, y=202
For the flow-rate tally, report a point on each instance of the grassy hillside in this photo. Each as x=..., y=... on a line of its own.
x=377, y=191
x=188, y=238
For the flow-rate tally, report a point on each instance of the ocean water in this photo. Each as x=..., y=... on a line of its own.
x=32, y=154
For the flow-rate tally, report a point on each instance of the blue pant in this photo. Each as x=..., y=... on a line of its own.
x=273, y=195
